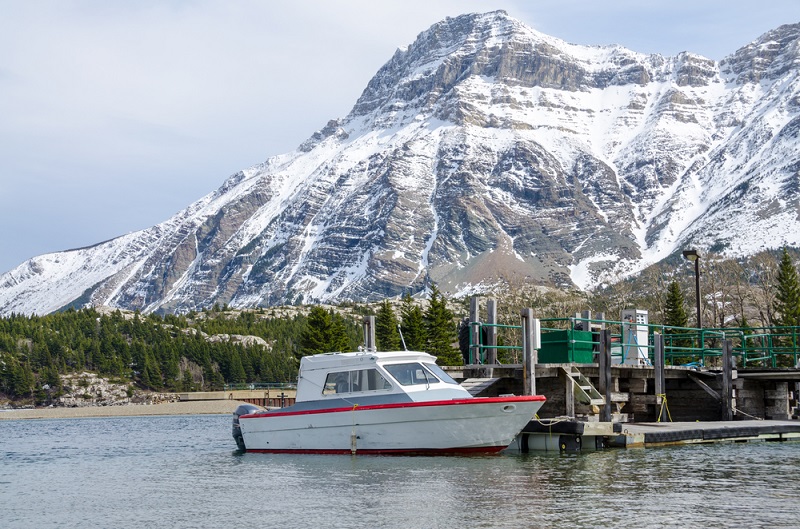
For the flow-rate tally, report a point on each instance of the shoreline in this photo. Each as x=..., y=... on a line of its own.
x=205, y=407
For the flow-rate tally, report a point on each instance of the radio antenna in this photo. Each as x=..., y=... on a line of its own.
x=401, y=338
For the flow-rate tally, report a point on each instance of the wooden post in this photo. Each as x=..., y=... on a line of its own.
x=530, y=342
x=601, y=316
x=586, y=315
x=727, y=380
x=369, y=334
x=569, y=395
x=658, y=365
x=491, y=334
x=604, y=375
x=474, y=330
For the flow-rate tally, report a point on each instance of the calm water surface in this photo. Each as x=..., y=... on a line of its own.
x=185, y=472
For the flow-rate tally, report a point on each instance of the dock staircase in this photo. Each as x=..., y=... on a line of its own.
x=583, y=392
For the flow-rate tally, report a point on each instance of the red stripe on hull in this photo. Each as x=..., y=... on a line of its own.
x=403, y=451
x=457, y=402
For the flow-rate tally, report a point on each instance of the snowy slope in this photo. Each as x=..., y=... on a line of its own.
x=484, y=151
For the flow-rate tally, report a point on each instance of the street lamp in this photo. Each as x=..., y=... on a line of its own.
x=693, y=255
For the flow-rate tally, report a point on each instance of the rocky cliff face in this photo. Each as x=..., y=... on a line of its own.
x=484, y=151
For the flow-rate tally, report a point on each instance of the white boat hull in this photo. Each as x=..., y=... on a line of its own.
x=445, y=426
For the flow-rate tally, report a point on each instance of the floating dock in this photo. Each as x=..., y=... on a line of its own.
x=678, y=433
x=569, y=435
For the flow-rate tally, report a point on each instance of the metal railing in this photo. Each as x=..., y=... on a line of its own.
x=686, y=346
x=476, y=327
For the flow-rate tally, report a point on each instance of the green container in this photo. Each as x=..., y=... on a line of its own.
x=566, y=347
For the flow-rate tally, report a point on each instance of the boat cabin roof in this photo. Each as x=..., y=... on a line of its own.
x=370, y=375
x=362, y=358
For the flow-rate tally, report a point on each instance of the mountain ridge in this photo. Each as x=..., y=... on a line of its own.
x=484, y=151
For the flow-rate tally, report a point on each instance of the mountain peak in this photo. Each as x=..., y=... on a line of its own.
x=441, y=57
x=482, y=153
x=768, y=57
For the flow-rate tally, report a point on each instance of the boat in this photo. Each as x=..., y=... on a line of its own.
x=397, y=402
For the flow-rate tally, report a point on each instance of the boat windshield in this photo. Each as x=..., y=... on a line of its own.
x=411, y=374
x=439, y=372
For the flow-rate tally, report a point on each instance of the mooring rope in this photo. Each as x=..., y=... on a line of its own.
x=738, y=411
x=663, y=407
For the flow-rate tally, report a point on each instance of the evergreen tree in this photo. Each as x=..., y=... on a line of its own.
x=187, y=384
x=337, y=334
x=386, y=335
x=787, y=295
x=440, y=330
x=675, y=316
x=413, y=326
x=674, y=309
x=151, y=374
x=313, y=337
x=324, y=332
x=21, y=380
x=237, y=374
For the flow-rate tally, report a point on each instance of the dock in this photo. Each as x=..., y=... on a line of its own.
x=267, y=398
x=630, y=383
x=566, y=435
x=679, y=433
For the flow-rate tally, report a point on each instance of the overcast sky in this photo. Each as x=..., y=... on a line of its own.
x=114, y=115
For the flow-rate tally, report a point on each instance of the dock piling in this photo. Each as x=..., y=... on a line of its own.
x=727, y=380
x=604, y=376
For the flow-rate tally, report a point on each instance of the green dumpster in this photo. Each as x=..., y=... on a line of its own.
x=565, y=347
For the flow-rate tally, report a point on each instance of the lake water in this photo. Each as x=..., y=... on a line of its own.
x=184, y=471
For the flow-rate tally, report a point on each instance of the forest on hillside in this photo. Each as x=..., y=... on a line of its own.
x=209, y=349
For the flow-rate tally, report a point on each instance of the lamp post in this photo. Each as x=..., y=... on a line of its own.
x=693, y=255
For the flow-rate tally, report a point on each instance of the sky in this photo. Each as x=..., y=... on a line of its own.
x=115, y=115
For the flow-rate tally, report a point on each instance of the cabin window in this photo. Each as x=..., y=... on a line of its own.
x=411, y=374
x=439, y=372
x=355, y=381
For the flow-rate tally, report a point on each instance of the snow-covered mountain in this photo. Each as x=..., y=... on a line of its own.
x=483, y=151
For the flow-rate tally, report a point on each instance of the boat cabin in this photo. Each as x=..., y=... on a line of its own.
x=363, y=374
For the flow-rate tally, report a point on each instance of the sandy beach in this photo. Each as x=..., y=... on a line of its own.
x=169, y=408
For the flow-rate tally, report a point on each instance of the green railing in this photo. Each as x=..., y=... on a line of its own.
x=768, y=346
x=477, y=327
x=687, y=346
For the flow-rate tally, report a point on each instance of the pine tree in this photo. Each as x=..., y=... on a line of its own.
x=675, y=316
x=674, y=310
x=413, y=326
x=324, y=332
x=21, y=380
x=440, y=330
x=237, y=374
x=337, y=334
x=187, y=384
x=312, y=338
x=787, y=295
x=386, y=335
